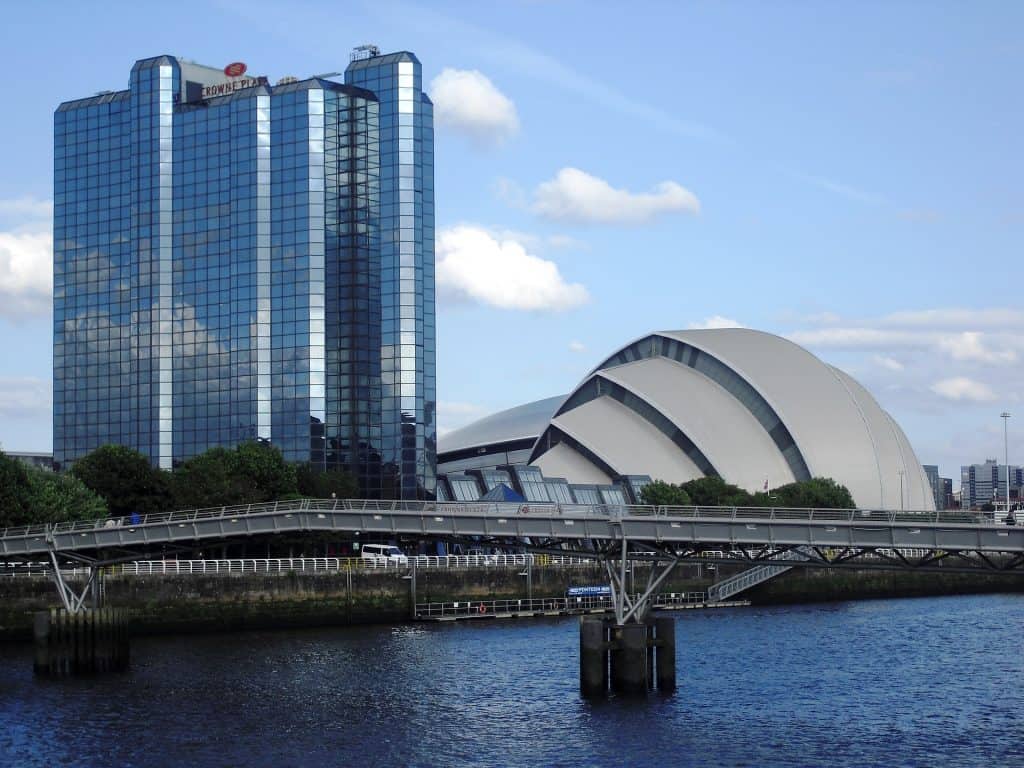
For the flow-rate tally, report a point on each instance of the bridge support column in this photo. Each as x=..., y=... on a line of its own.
x=593, y=656
x=635, y=655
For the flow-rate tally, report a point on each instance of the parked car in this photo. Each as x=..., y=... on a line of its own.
x=485, y=557
x=384, y=554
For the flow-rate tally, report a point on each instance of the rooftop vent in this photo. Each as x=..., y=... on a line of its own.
x=287, y=79
x=361, y=52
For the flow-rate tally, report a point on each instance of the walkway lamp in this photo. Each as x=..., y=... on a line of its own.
x=1005, y=416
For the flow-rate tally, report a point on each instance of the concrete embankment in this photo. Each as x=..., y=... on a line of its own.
x=193, y=603
x=808, y=585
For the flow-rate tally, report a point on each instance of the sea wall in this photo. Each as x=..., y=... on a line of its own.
x=807, y=585
x=191, y=603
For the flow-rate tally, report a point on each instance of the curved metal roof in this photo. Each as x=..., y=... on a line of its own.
x=747, y=405
x=521, y=422
x=759, y=406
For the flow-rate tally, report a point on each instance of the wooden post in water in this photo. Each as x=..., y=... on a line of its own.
x=41, y=638
x=80, y=643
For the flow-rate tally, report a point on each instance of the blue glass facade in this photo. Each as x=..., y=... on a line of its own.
x=218, y=274
x=408, y=351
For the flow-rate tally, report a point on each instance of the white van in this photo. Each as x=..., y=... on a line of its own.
x=383, y=554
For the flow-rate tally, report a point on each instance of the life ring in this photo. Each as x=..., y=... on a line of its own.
x=481, y=609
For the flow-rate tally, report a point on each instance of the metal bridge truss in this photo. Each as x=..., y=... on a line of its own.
x=614, y=535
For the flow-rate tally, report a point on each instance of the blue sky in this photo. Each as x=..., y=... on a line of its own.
x=846, y=175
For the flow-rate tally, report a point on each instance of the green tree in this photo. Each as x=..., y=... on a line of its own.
x=15, y=506
x=209, y=480
x=715, y=492
x=58, y=498
x=125, y=479
x=659, y=493
x=324, y=484
x=818, y=492
x=262, y=470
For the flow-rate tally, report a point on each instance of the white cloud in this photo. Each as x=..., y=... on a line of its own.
x=717, y=321
x=473, y=264
x=576, y=196
x=823, y=318
x=564, y=241
x=963, y=388
x=25, y=397
x=577, y=346
x=966, y=346
x=889, y=363
x=468, y=102
x=27, y=207
x=26, y=273
x=857, y=337
x=970, y=346
x=957, y=318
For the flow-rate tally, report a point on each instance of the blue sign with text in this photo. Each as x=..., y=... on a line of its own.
x=590, y=591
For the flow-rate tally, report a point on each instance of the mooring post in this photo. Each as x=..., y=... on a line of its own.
x=651, y=643
x=412, y=590
x=593, y=656
x=665, y=630
x=629, y=659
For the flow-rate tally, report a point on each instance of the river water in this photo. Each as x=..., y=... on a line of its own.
x=916, y=682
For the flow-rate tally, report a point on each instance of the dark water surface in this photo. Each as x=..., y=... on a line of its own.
x=927, y=682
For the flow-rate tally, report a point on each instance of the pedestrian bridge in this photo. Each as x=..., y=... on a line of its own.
x=669, y=530
x=829, y=538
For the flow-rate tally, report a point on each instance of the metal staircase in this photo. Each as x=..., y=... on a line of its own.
x=733, y=585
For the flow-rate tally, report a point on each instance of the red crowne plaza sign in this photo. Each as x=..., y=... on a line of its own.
x=222, y=89
x=235, y=69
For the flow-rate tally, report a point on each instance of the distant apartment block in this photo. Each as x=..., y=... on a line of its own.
x=942, y=487
x=986, y=483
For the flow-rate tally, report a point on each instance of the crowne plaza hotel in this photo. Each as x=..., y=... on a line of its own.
x=238, y=257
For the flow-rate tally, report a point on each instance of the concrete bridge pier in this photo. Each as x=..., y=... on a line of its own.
x=632, y=658
x=629, y=659
x=665, y=653
x=593, y=656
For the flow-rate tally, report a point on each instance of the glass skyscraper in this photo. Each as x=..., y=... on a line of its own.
x=407, y=261
x=229, y=264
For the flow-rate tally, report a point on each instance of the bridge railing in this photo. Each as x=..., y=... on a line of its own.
x=483, y=608
x=307, y=565
x=505, y=509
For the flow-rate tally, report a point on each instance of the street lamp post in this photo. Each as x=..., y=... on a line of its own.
x=1005, y=416
x=901, y=473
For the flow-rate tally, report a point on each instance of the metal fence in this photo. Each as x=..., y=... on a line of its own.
x=306, y=565
x=470, y=609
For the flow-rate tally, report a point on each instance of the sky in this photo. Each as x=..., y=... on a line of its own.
x=844, y=175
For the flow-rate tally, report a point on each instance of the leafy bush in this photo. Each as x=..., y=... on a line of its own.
x=818, y=492
x=660, y=493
